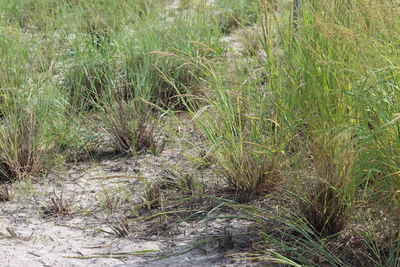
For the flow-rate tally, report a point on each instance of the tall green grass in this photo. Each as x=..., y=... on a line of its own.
x=322, y=118
x=338, y=85
x=153, y=49
x=244, y=134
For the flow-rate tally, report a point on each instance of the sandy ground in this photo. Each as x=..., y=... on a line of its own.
x=102, y=191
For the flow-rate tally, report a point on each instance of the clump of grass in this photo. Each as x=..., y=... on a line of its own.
x=129, y=123
x=13, y=43
x=24, y=145
x=100, y=19
x=153, y=196
x=18, y=155
x=6, y=193
x=58, y=206
x=325, y=200
x=324, y=209
x=36, y=15
x=244, y=134
x=120, y=227
x=87, y=77
x=250, y=175
x=157, y=54
x=327, y=80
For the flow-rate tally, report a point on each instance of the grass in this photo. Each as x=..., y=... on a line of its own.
x=25, y=143
x=6, y=193
x=308, y=107
x=58, y=206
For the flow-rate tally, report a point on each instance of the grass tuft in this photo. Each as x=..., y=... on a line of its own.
x=6, y=193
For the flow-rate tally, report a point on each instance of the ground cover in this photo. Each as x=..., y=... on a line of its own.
x=199, y=132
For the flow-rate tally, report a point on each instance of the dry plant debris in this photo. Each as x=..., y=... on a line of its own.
x=13, y=234
x=120, y=227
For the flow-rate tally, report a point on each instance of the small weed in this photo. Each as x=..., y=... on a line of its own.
x=110, y=201
x=205, y=159
x=189, y=185
x=58, y=206
x=153, y=197
x=226, y=241
x=6, y=193
x=184, y=183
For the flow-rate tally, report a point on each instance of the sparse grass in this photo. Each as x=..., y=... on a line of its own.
x=111, y=199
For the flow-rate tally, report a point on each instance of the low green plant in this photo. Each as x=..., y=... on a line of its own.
x=233, y=14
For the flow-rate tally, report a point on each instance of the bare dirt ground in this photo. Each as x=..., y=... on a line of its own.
x=66, y=217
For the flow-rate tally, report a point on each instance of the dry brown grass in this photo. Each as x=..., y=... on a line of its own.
x=6, y=193
x=120, y=227
x=153, y=197
x=58, y=206
x=15, y=235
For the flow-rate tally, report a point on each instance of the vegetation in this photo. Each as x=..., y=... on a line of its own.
x=306, y=112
